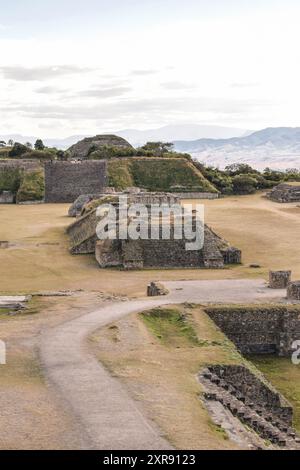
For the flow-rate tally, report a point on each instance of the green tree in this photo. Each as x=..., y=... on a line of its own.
x=39, y=145
x=157, y=148
x=239, y=168
x=18, y=150
x=244, y=184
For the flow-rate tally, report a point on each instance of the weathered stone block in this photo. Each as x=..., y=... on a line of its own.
x=279, y=279
x=293, y=290
x=6, y=197
x=156, y=289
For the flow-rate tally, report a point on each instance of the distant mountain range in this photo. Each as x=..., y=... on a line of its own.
x=277, y=147
x=137, y=137
x=180, y=132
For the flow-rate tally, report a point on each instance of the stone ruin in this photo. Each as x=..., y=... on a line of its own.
x=293, y=291
x=137, y=254
x=83, y=148
x=240, y=399
x=66, y=180
x=7, y=197
x=156, y=289
x=250, y=399
x=279, y=279
x=285, y=192
x=259, y=329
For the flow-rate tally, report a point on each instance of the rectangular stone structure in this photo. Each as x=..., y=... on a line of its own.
x=65, y=181
x=259, y=329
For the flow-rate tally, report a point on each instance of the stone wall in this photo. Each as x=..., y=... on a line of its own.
x=65, y=181
x=26, y=165
x=82, y=234
x=235, y=391
x=285, y=192
x=254, y=389
x=6, y=197
x=259, y=329
x=195, y=195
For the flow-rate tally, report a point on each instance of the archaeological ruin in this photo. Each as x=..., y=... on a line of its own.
x=285, y=192
x=279, y=279
x=249, y=398
x=259, y=329
x=85, y=147
x=65, y=181
x=147, y=253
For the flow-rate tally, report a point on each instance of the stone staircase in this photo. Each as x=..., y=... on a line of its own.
x=260, y=419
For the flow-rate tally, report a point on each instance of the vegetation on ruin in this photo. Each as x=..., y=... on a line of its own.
x=4, y=152
x=32, y=186
x=26, y=186
x=170, y=325
x=157, y=174
x=109, y=199
x=150, y=149
x=10, y=179
x=285, y=377
x=119, y=174
x=176, y=175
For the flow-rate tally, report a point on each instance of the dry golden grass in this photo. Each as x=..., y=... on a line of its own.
x=267, y=233
x=161, y=374
x=164, y=378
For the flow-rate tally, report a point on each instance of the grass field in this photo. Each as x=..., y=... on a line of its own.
x=160, y=359
x=38, y=259
x=158, y=356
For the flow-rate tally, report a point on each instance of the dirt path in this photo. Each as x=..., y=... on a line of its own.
x=109, y=418
x=104, y=411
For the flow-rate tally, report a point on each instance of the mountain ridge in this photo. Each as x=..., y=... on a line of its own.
x=278, y=147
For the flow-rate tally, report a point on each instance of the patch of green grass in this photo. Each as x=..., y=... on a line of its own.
x=4, y=312
x=166, y=174
x=119, y=175
x=31, y=308
x=10, y=179
x=218, y=430
x=171, y=327
x=157, y=174
x=285, y=377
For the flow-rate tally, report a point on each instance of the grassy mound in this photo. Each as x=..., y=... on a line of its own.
x=158, y=174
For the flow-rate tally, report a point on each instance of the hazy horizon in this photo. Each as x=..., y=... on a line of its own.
x=73, y=67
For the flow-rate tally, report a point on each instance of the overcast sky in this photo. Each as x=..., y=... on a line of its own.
x=84, y=67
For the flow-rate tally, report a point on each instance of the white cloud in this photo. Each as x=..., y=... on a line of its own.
x=240, y=70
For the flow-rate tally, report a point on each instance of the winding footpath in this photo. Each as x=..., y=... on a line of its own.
x=108, y=417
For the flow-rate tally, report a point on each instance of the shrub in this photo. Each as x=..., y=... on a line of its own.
x=10, y=179
x=239, y=169
x=109, y=151
x=18, y=150
x=244, y=184
x=39, y=155
x=32, y=187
